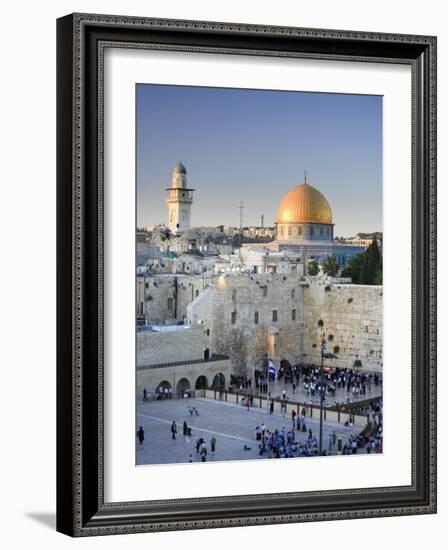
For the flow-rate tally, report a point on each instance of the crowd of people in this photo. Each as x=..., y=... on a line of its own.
x=307, y=380
x=284, y=444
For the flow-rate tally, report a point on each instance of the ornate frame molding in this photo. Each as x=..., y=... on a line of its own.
x=82, y=39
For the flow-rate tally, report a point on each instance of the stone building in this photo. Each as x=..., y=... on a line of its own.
x=178, y=359
x=163, y=298
x=251, y=317
x=304, y=222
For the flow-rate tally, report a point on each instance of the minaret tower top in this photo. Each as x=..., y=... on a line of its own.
x=179, y=199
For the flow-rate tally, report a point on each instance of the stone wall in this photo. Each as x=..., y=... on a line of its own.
x=234, y=315
x=251, y=317
x=177, y=344
x=351, y=317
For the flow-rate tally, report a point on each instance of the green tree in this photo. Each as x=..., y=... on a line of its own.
x=366, y=268
x=353, y=268
x=313, y=268
x=330, y=266
x=372, y=265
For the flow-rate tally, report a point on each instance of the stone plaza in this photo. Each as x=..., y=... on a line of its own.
x=231, y=424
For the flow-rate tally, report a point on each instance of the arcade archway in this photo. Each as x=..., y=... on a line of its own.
x=164, y=390
x=183, y=386
x=219, y=381
x=201, y=383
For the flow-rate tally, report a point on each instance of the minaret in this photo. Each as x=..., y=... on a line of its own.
x=179, y=199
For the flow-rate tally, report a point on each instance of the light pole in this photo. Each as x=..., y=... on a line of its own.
x=323, y=353
x=323, y=347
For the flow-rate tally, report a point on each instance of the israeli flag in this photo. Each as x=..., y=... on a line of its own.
x=272, y=369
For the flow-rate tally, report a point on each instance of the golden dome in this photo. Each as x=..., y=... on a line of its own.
x=304, y=204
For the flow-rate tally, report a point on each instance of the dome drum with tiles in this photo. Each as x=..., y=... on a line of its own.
x=304, y=215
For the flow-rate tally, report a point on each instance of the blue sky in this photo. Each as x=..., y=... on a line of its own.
x=253, y=146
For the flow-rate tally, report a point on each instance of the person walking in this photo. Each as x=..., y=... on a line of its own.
x=213, y=444
x=145, y=394
x=203, y=452
x=293, y=418
x=173, y=430
x=141, y=435
x=283, y=410
x=185, y=428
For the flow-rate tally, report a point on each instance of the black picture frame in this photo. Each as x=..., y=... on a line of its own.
x=81, y=510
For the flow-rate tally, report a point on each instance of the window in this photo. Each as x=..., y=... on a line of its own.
x=274, y=315
x=293, y=293
x=233, y=317
x=293, y=315
x=265, y=291
x=170, y=304
x=289, y=230
x=256, y=318
x=300, y=230
x=234, y=295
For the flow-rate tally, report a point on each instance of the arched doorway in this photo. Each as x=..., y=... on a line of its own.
x=286, y=370
x=164, y=390
x=219, y=381
x=201, y=383
x=183, y=387
x=259, y=373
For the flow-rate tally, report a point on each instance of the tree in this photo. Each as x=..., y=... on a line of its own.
x=353, y=268
x=313, y=268
x=366, y=268
x=330, y=266
x=372, y=265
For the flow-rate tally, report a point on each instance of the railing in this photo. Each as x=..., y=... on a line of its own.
x=330, y=414
x=213, y=357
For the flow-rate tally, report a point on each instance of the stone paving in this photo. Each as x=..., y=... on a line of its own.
x=232, y=425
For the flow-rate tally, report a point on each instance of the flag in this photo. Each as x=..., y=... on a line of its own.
x=271, y=369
